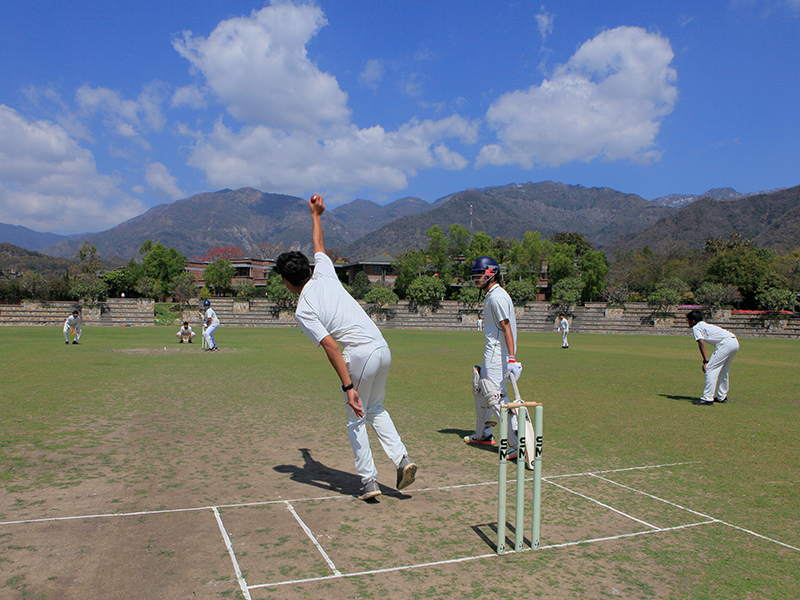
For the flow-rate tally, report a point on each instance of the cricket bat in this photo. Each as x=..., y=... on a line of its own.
x=530, y=436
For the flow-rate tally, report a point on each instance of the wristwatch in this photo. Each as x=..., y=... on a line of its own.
x=346, y=388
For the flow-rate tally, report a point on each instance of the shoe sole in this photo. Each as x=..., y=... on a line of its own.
x=370, y=495
x=479, y=442
x=408, y=476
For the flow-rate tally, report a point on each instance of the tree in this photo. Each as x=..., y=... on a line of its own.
x=459, y=239
x=380, y=297
x=163, y=265
x=714, y=295
x=361, y=285
x=775, y=300
x=663, y=300
x=218, y=276
x=747, y=268
x=787, y=268
x=183, y=288
x=35, y=285
x=525, y=257
x=521, y=291
x=470, y=297
x=408, y=267
x=87, y=284
x=566, y=293
x=561, y=263
x=426, y=291
x=575, y=239
x=217, y=252
x=279, y=294
x=438, y=252
x=594, y=270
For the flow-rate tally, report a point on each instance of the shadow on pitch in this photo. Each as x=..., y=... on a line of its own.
x=317, y=474
x=676, y=397
x=462, y=433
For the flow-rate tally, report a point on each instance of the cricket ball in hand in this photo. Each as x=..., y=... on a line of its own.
x=316, y=198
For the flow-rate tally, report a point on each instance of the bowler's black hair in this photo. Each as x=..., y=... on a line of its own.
x=695, y=315
x=294, y=267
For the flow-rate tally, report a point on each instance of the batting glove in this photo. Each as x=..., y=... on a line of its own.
x=513, y=368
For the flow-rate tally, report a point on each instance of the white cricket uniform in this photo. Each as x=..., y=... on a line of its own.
x=563, y=327
x=325, y=308
x=186, y=333
x=719, y=363
x=497, y=307
x=72, y=322
x=208, y=332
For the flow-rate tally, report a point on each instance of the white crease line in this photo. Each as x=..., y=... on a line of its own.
x=694, y=462
x=611, y=508
x=232, y=554
x=307, y=499
x=469, y=558
x=694, y=512
x=313, y=539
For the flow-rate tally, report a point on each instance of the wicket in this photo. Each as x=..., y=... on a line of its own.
x=519, y=526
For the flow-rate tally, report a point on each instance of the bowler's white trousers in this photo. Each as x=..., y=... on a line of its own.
x=718, y=367
x=369, y=368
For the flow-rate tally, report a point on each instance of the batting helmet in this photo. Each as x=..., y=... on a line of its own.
x=485, y=266
x=207, y=303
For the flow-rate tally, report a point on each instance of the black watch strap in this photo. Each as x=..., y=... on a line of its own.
x=346, y=388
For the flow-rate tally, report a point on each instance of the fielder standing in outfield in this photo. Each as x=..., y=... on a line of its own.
x=73, y=322
x=211, y=324
x=489, y=380
x=563, y=327
x=329, y=316
x=716, y=367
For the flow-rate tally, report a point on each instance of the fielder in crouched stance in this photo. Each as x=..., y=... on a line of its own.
x=329, y=316
x=489, y=380
x=73, y=322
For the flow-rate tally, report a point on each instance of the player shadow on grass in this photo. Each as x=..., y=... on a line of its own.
x=676, y=397
x=462, y=433
x=315, y=473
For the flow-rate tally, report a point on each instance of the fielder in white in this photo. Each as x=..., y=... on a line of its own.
x=185, y=334
x=489, y=380
x=717, y=366
x=329, y=316
x=73, y=322
x=211, y=324
x=563, y=327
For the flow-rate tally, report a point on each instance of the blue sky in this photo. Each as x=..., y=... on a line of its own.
x=110, y=108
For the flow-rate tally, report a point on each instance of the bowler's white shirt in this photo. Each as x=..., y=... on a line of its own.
x=710, y=333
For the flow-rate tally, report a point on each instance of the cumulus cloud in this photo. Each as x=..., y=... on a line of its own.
x=268, y=158
x=51, y=183
x=296, y=133
x=162, y=182
x=259, y=68
x=606, y=102
x=128, y=118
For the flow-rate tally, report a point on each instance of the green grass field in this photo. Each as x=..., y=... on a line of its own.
x=130, y=423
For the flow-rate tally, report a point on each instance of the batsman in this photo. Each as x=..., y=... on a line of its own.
x=488, y=379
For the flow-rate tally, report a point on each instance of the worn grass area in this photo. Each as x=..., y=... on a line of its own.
x=130, y=422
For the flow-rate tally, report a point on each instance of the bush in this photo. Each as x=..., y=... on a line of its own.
x=246, y=290
x=361, y=285
x=663, y=300
x=470, y=297
x=278, y=293
x=380, y=297
x=426, y=291
x=521, y=291
x=714, y=295
x=775, y=300
x=566, y=293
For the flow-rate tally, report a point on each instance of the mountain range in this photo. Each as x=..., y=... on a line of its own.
x=264, y=223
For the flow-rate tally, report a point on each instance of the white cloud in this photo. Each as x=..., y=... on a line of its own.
x=188, y=96
x=160, y=181
x=259, y=68
x=544, y=21
x=131, y=119
x=607, y=101
x=372, y=74
x=267, y=158
x=296, y=133
x=51, y=183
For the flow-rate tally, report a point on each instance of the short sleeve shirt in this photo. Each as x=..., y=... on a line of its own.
x=710, y=333
x=498, y=307
x=326, y=308
x=210, y=314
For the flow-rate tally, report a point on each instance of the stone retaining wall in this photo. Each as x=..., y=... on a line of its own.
x=538, y=316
